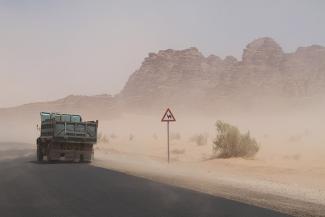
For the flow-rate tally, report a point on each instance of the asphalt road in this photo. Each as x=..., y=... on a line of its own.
x=31, y=189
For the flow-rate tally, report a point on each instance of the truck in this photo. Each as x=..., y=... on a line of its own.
x=66, y=137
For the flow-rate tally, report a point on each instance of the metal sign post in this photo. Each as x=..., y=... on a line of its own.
x=168, y=116
x=168, y=140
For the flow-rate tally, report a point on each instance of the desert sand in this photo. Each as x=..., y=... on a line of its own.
x=287, y=174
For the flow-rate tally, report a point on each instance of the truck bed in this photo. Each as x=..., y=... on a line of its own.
x=69, y=132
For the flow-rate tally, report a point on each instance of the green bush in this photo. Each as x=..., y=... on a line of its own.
x=101, y=138
x=231, y=143
x=175, y=136
x=200, y=139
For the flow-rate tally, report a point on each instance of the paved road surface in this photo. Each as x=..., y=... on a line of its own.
x=30, y=189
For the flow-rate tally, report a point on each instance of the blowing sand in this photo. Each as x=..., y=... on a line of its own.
x=288, y=173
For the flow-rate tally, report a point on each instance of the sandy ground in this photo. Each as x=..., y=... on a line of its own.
x=12, y=150
x=296, y=192
x=288, y=173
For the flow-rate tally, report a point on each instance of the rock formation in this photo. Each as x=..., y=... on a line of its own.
x=266, y=76
x=265, y=73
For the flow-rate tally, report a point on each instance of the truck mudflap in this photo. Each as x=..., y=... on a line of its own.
x=65, y=152
x=70, y=155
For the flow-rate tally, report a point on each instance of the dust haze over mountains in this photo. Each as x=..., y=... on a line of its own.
x=266, y=79
x=266, y=82
x=266, y=88
x=278, y=97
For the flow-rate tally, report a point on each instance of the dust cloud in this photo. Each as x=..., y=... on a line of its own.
x=290, y=162
x=291, y=138
x=296, y=137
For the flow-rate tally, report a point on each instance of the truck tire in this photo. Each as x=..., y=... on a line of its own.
x=39, y=153
x=81, y=160
x=48, y=155
x=49, y=160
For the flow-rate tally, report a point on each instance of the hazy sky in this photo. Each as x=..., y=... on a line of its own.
x=50, y=49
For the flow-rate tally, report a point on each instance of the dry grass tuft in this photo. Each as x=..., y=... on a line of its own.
x=231, y=143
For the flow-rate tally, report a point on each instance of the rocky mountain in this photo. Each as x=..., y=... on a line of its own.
x=186, y=78
x=265, y=76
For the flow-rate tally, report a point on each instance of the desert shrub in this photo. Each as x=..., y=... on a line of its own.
x=113, y=136
x=101, y=138
x=175, y=136
x=131, y=137
x=292, y=157
x=178, y=151
x=231, y=143
x=200, y=139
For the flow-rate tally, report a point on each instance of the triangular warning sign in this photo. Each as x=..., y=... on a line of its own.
x=168, y=116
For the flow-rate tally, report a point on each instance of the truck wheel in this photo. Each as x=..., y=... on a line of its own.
x=49, y=160
x=82, y=158
x=48, y=153
x=39, y=153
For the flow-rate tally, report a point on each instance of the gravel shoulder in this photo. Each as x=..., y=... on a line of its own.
x=256, y=184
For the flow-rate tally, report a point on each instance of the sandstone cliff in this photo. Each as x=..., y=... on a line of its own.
x=264, y=78
x=186, y=78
